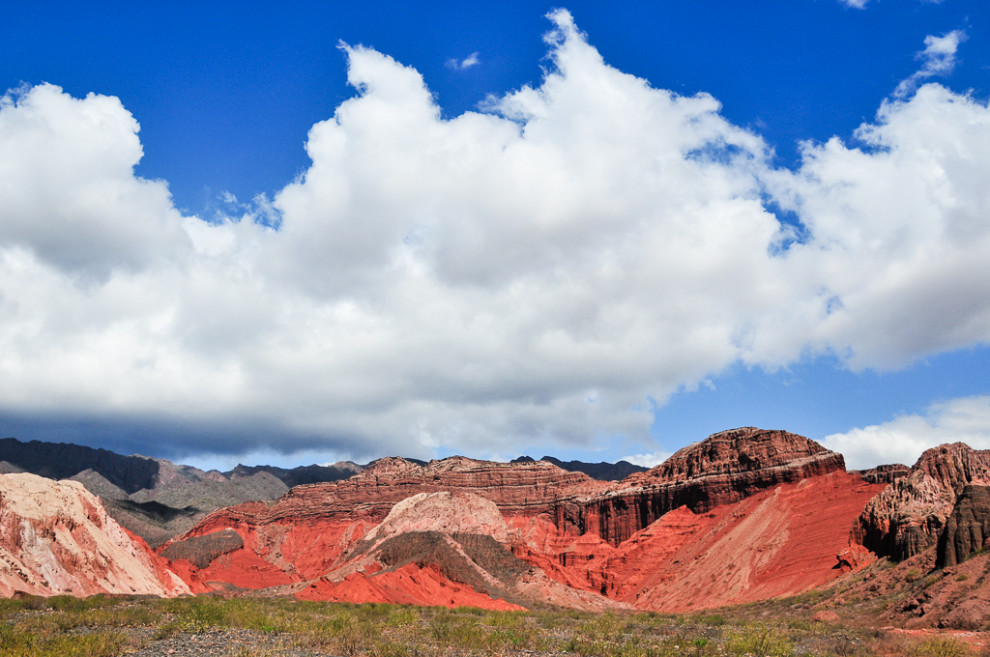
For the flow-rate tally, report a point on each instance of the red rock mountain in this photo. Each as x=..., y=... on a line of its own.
x=744, y=515
x=727, y=467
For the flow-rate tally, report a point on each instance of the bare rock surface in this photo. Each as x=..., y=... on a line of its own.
x=909, y=515
x=201, y=551
x=56, y=537
x=156, y=498
x=448, y=513
x=885, y=474
x=517, y=489
x=739, y=517
x=967, y=529
x=759, y=514
x=724, y=468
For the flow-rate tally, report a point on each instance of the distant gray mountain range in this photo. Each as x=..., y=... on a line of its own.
x=602, y=471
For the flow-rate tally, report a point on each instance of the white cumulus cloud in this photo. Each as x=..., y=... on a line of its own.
x=904, y=438
x=899, y=244
x=538, y=270
x=68, y=191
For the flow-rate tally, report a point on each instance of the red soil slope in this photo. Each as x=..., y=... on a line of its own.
x=765, y=514
x=782, y=541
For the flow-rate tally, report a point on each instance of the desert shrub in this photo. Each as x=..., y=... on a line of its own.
x=840, y=645
x=15, y=642
x=760, y=640
x=458, y=630
x=709, y=619
x=603, y=626
x=385, y=648
x=401, y=615
x=941, y=647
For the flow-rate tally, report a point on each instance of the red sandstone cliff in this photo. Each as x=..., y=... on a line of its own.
x=744, y=515
x=724, y=468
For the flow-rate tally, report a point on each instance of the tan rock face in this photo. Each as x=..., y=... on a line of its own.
x=56, y=537
x=908, y=516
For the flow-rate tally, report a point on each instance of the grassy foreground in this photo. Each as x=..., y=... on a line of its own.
x=106, y=626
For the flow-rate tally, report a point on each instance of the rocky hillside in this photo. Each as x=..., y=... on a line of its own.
x=741, y=516
x=909, y=515
x=56, y=537
x=726, y=467
x=302, y=475
x=155, y=498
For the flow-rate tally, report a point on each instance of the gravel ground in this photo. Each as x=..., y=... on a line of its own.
x=214, y=643
x=219, y=643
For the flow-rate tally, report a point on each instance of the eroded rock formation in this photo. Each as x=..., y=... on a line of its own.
x=908, y=516
x=743, y=515
x=967, y=529
x=725, y=468
x=56, y=537
x=885, y=474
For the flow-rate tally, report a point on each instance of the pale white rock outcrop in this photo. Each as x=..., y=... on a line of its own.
x=444, y=512
x=56, y=538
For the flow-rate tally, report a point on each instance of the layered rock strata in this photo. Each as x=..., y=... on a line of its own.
x=885, y=474
x=907, y=517
x=531, y=533
x=517, y=489
x=725, y=468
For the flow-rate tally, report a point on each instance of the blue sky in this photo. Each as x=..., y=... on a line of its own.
x=596, y=233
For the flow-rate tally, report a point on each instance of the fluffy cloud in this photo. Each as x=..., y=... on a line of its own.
x=903, y=439
x=938, y=58
x=541, y=269
x=899, y=242
x=648, y=460
x=67, y=186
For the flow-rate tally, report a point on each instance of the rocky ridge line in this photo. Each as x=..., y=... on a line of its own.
x=724, y=468
x=908, y=516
